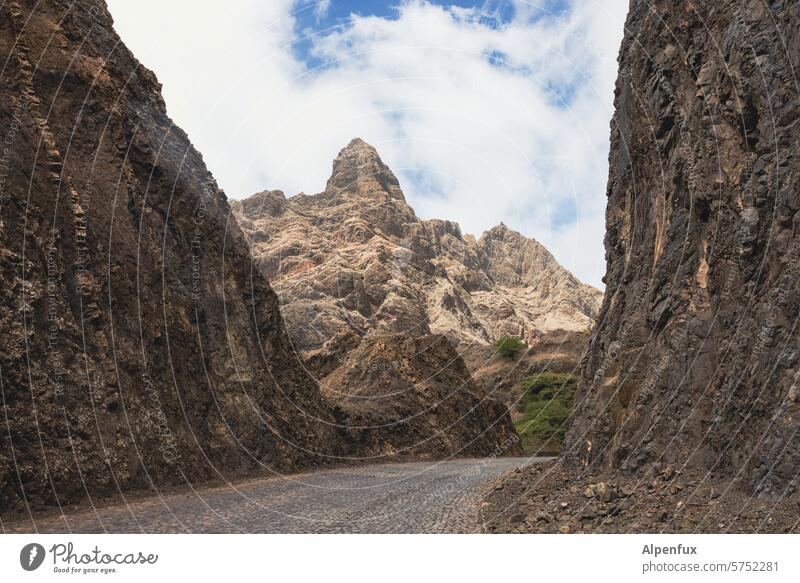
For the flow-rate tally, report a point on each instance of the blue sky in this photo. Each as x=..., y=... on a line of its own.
x=487, y=111
x=315, y=17
x=321, y=15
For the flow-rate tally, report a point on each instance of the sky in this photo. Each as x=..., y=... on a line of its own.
x=487, y=111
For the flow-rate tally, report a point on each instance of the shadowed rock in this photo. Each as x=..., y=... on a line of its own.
x=414, y=396
x=138, y=347
x=695, y=357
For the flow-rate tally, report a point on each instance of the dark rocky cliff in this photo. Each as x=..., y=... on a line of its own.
x=138, y=345
x=695, y=357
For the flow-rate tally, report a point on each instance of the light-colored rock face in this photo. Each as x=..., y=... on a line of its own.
x=356, y=257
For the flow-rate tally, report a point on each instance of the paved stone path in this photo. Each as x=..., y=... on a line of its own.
x=428, y=497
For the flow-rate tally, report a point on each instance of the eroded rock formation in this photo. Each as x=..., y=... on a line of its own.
x=356, y=258
x=695, y=357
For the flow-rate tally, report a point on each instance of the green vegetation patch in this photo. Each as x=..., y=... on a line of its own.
x=547, y=403
x=509, y=346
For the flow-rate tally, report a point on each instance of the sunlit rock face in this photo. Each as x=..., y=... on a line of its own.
x=695, y=355
x=356, y=257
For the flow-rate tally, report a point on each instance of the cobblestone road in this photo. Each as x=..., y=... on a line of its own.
x=389, y=498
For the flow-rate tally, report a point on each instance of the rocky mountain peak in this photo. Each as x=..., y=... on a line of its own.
x=268, y=202
x=502, y=234
x=513, y=259
x=357, y=259
x=500, y=229
x=359, y=170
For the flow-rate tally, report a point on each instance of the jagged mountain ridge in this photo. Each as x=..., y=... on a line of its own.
x=356, y=257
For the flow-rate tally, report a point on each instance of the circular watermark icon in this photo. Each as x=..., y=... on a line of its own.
x=31, y=556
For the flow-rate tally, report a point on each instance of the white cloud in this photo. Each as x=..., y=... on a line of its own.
x=321, y=8
x=471, y=140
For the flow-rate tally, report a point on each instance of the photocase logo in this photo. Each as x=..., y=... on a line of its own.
x=31, y=556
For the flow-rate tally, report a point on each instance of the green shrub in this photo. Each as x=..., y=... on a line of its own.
x=509, y=346
x=547, y=404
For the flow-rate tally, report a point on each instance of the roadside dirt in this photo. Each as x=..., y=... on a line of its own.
x=552, y=498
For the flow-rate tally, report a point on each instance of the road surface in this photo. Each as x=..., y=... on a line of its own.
x=419, y=497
